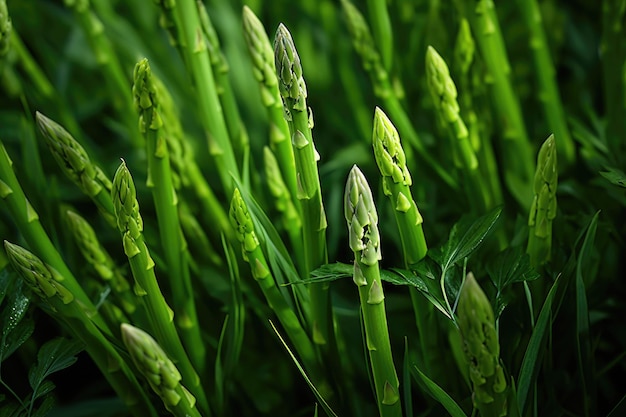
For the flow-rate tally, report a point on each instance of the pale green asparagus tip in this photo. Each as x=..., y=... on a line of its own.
x=464, y=47
x=441, y=86
x=288, y=67
x=145, y=97
x=242, y=223
x=125, y=202
x=88, y=244
x=480, y=344
x=543, y=209
x=388, y=149
x=41, y=278
x=72, y=157
x=6, y=29
x=218, y=60
x=362, y=218
x=361, y=35
x=260, y=49
x=153, y=363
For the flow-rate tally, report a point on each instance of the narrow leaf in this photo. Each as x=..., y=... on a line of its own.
x=55, y=355
x=438, y=393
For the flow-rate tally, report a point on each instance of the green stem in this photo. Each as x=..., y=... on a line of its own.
x=27, y=222
x=548, y=93
x=381, y=28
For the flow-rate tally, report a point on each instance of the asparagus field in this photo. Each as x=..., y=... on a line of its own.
x=343, y=208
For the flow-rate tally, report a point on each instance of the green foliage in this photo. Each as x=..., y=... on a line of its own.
x=443, y=105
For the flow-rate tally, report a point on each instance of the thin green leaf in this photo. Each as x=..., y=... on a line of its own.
x=583, y=341
x=511, y=266
x=55, y=355
x=620, y=409
x=15, y=305
x=329, y=411
x=16, y=338
x=466, y=236
x=438, y=393
x=615, y=176
x=428, y=286
x=531, y=361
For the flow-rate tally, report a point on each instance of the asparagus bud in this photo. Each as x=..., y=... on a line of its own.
x=288, y=66
x=482, y=349
x=362, y=219
x=543, y=207
x=41, y=278
x=161, y=373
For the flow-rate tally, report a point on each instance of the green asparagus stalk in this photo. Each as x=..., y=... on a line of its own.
x=160, y=315
x=252, y=253
x=548, y=91
x=543, y=207
x=381, y=28
x=236, y=128
x=516, y=148
x=300, y=119
x=160, y=372
x=383, y=89
x=166, y=202
x=6, y=28
x=482, y=350
x=264, y=70
x=197, y=60
x=283, y=202
x=111, y=68
x=76, y=164
x=100, y=260
x=444, y=94
x=49, y=285
x=391, y=162
x=464, y=50
x=27, y=221
x=362, y=219
x=200, y=246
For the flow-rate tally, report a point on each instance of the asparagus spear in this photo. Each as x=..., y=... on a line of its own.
x=543, y=207
x=160, y=372
x=97, y=256
x=362, y=219
x=372, y=62
x=548, y=90
x=49, y=285
x=381, y=26
x=482, y=349
x=27, y=222
x=444, y=94
x=517, y=150
x=166, y=202
x=76, y=164
x=264, y=70
x=250, y=247
x=160, y=315
x=299, y=117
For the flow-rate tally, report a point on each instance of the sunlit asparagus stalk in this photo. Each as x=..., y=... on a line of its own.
x=236, y=128
x=264, y=70
x=444, y=94
x=482, y=350
x=362, y=218
x=49, y=285
x=160, y=315
x=193, y=45
x=283, y=202
x=114, y=74
x=252, y=253
x=27, y=221
x=372, y=62
x=166, y=202
x=516, y=148
x=543, y=207
x=300, y=119
x=548, y=90
x=160, y=372
x=76, y=164
x=100, y=260
x=464, y=49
